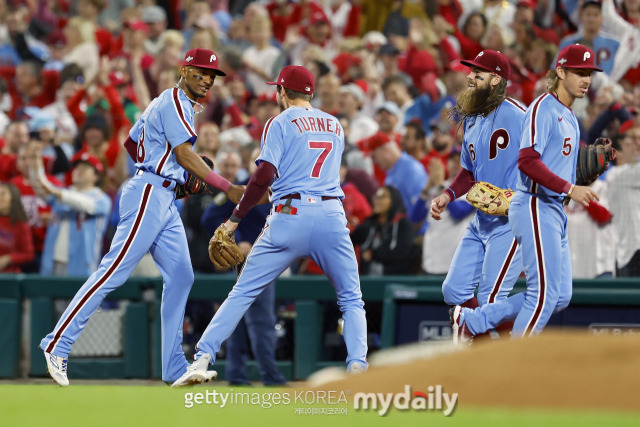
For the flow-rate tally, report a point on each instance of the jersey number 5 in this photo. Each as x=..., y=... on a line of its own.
x=141, y=151
x=566, y=147
x=326, y=148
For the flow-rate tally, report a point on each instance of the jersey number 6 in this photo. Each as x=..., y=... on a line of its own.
x=326, y=148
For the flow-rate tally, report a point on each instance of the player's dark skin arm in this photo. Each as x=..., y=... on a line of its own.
x=194, y=164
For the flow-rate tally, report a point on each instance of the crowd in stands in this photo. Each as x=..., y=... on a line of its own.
x=76, y=74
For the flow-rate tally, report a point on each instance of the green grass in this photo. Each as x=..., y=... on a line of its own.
x=116, y=405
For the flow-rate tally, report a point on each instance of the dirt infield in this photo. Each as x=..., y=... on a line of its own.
x=567, y=370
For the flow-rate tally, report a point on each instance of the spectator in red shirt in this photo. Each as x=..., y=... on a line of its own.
x=38, y=212
x=16, y=243
x=470, y=30
x=33, y=87
x=15, y=136
x=89, y=10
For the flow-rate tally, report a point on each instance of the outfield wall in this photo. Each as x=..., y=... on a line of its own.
x=412, y=310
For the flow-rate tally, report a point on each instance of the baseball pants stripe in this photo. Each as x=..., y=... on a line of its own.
x=503, y=272
x=103, y=279
x=542, y=279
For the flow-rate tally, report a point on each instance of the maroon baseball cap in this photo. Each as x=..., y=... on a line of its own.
x=491, y=61
x=577, y=56
x=295, y=77
x=202, y=58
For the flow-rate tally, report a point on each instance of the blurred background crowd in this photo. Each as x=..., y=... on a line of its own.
x=76, y=74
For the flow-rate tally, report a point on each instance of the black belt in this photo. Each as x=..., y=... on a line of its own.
x=297, y=197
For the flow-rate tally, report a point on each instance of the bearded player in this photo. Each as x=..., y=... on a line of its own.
x=488, y=257
x=547, y=174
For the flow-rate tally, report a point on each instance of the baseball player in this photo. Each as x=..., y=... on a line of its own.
x=300, y=159
x=547, y=163
x=488, y=255
x=161, y=142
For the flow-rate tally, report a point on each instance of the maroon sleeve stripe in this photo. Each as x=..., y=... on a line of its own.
x=178, y=107
x=534, y=115
x=511, y=101
x=266, y=132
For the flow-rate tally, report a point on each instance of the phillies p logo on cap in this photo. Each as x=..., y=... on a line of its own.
x=577, y=56
x=202, y=58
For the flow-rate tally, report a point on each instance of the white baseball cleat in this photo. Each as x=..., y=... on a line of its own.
x=356, y=368
x=57, y=368
x=196, y=373
x=461, y=334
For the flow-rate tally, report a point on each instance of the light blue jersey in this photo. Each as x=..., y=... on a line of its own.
x=488, y=257
x=491, y=145
x=166, y=123
x=556, y=136
x=305, y=145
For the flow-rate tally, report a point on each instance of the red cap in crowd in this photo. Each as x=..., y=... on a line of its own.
x=379, y=139
x=89, y=159
x=202, y=58
x=527, y=3
x=295, y=77
x=577, y=56
x=491, y=61
x=266, y=97
x=318, y=17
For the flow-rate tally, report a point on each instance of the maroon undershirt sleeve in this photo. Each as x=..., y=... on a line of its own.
x=258, y=184
x=132, y=148
x=531, y=165
x=460, y=185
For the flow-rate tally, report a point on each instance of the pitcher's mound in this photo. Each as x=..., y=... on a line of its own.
x=554, y=370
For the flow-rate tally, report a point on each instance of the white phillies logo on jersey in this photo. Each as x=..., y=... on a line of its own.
x=189, y=58
x=213, y=58
x=586, y=55
x=562, y=61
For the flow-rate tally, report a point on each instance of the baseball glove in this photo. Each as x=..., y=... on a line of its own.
x=223, y=251
x=593, y=160
x=489, y=198
x=193, y=184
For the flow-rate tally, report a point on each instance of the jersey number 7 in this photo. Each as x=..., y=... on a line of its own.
x=326, y=148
